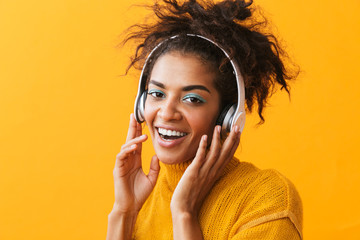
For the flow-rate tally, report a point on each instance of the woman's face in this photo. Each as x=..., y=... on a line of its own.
x=182, y=105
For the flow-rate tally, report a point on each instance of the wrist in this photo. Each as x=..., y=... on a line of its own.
x=118, y=210
x=120, y=225
x=186, y=226
x=183, y=211
x=183, y=215
x=115, y=217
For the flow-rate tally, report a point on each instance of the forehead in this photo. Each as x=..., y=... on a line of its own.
x=175, y=68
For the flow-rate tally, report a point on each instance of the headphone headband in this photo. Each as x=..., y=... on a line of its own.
x=235, y=115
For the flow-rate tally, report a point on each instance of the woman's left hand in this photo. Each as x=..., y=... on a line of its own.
x=200, y=176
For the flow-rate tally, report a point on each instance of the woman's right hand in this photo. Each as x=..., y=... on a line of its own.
x=132, y=186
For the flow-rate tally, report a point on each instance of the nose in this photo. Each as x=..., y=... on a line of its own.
x=169, y=110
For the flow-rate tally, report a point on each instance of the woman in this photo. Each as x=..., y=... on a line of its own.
x=195, y=188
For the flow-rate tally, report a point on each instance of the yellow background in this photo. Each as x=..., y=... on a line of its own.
x=65, y=108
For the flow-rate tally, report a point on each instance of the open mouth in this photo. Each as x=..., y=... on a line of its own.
x=169, y=135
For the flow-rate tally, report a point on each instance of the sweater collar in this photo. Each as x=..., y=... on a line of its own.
x=172, y=173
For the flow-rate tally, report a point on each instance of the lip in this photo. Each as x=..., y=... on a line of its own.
x=171, y=143
x=168, y=128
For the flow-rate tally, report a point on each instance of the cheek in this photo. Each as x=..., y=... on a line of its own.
x=148, y=112
x=149, y=115
x=201, y=123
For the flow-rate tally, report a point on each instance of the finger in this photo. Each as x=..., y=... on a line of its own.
x=201, y=152
x=230, y=140
x=228, y=148
x=123, y=155
x=215, y=148
x=154, y=170
x=137, y=140
x=235, y=146
x=138, y=133
x=228, y=158
x=132, y=128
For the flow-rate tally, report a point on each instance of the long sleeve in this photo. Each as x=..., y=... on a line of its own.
x=280, y=229
x=272, y=201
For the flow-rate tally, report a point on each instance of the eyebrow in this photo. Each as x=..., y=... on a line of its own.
x=186, y=88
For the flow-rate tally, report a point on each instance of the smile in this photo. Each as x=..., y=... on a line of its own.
x=169, y=135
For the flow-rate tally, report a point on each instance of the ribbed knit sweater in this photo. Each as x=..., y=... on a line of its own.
x=245, y=203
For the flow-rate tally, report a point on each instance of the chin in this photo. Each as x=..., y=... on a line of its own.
x=169, y=161
x=170, y=158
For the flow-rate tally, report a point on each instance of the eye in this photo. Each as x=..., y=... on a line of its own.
x=155, y=93
x=194, y=98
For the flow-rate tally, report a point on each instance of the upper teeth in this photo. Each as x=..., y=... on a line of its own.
x=163, y=131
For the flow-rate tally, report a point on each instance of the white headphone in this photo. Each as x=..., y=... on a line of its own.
x=231, y=116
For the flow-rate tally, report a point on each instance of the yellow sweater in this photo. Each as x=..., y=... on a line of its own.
x=245, y=203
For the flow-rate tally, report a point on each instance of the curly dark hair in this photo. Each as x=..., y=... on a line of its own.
x=231, y=24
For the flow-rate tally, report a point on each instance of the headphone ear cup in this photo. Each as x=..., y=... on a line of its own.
x=222, y=115
x=225, y=119
x=140, y=116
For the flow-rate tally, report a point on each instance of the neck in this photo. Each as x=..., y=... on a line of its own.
x=173, y=172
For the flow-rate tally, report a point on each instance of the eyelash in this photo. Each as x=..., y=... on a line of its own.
x=190, y=98
x=155, y=93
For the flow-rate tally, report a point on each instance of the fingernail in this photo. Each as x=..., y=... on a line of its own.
x=204, y=138
x=236, y=129
x=218, y=128
x=133, y=146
